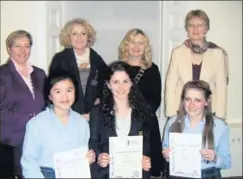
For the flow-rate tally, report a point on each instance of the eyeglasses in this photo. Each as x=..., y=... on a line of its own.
x=195, y=25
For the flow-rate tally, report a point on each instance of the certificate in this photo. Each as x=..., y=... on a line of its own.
x=72, y=164
x=126, y=157
x=185, y=157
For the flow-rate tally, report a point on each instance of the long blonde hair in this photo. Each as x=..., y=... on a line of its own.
x=178, y=125
x=123, y=48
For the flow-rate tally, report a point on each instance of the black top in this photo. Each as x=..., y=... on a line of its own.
x=100, y=133
x=66, y=60
x=196, y=70
x=150, y=85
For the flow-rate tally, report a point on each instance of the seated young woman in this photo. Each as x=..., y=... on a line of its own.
x=57, y=129
x=122, y=112
x=195, y=117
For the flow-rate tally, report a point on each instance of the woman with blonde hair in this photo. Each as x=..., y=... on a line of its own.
x=78, y=58
x=135, y=50
x=195, y=117
x=197, y=59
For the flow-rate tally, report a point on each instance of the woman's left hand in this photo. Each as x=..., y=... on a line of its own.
x=146, y=163
x=91, y=156
x=208, y=154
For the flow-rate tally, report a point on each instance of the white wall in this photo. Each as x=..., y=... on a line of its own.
x=226, y=31
x=30, y=16
x=112, y=20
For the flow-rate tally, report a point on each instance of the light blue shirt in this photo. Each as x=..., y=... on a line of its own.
x=46, y=135
x=221, y=141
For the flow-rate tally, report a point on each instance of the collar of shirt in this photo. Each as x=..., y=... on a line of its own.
x=18, y=68
x=84, y=58
x=188, y=125
x=51, y=110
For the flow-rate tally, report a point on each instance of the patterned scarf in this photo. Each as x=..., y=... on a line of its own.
x=199, y=50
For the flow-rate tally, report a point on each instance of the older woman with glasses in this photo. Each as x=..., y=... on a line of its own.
x=197, y=59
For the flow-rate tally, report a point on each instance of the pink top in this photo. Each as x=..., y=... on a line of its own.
x=27, y=79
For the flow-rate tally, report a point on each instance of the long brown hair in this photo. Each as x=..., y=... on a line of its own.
x=178, y=125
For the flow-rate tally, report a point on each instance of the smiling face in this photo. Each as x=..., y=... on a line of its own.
x=20, y=50
x=78, y=37
x=120, y=85
x=136, y=47
x=196, y=29
x=194, y=102
x=62, y=95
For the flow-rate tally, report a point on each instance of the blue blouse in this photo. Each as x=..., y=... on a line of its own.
x=221, y=140
x=46, y=135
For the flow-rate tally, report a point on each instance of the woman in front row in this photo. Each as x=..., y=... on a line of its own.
x=195, y=116
x=57, y=129
x=123, y=112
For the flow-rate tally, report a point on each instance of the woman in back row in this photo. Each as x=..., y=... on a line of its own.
x=197, y=59
x=83, y=62
x=135, y=50
x=21, y=98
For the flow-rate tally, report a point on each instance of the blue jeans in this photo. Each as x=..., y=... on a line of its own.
x=211, y=172
x=48, y=172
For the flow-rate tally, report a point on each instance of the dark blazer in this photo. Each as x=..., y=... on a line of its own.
x=99, y=139
x=17, y=105
x=66, y=60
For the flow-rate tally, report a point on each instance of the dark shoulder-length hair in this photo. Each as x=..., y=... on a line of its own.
x=56, y=77
x=178, y=125
x=140, y=109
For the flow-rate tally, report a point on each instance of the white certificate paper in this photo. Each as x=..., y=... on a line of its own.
x=185, y=157
x=72, y=164
x=126, y=157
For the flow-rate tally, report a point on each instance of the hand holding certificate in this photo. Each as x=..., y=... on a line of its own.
x=185, y=157
x=126, y=156
x=72, y=164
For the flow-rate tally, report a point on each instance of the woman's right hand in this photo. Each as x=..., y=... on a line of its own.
x=166, y=153
x=103, y=159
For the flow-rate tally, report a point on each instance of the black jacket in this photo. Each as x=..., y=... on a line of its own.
x=99, y=139
x=65, y=60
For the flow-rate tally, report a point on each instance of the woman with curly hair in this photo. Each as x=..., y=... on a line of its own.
x=123, y=112
x=78, y=58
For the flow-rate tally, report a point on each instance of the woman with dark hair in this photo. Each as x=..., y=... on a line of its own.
x=123, y=112
x=195, y=116
x=57, y=129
